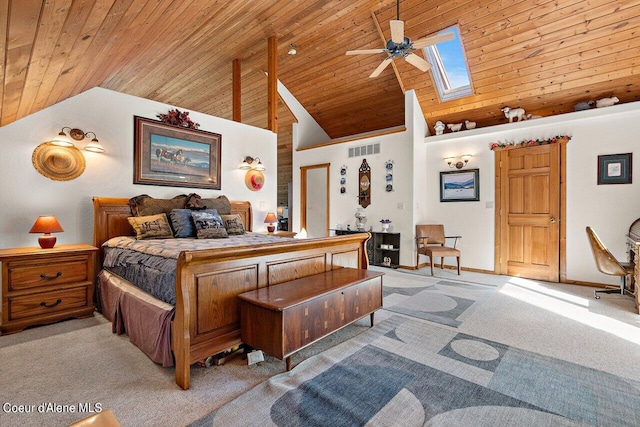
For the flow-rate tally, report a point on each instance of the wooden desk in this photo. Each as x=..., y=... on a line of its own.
x=287, y=317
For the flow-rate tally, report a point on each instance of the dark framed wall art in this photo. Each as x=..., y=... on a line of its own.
x=175, y=156
x=615, y=168
x=460, y=186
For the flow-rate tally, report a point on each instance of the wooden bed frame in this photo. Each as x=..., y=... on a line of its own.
x=207, y=316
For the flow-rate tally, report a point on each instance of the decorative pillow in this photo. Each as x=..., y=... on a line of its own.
x=182, y=223
x=221, y=204
x=233, y=224
x=208, y=224
x=144, y=205
x=151, y=226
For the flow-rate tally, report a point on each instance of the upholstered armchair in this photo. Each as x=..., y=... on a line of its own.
x=430, y=241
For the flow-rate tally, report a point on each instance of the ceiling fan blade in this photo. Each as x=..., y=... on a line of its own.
x=418, y=62
x=428, y=41
x=365, y=51
x=397, y=31
x=382, y=66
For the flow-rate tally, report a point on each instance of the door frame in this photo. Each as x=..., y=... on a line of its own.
x=303, y=193
x=562, y=240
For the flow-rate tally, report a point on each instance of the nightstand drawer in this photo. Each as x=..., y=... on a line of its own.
x=46, y=302
x=25, y=275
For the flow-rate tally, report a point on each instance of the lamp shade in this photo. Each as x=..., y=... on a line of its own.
x=46, y=224
x=94, y=146
x=62, y=140
x=270, y=219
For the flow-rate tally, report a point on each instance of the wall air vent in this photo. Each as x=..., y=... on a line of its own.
x=364, y=150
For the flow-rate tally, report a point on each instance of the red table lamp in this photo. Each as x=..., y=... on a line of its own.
x=270, y=219
x=46, y=224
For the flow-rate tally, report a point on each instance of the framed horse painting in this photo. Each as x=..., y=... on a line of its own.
x=175, y=156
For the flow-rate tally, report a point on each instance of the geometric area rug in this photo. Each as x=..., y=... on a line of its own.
x=408, y=372
x=446, y=302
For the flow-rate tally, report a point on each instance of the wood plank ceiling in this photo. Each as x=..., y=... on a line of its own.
x=543, y=55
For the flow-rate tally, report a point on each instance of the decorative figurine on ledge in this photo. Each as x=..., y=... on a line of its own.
x=513, y=113
x=469, y=125
x=581, y=106
x=454, y=127
x=439, y=127
x=607, y=102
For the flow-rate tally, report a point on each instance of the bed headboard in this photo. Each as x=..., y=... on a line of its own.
x=110, y=218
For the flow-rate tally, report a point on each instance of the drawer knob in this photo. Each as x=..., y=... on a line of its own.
x=44, y=304
x=45, y=277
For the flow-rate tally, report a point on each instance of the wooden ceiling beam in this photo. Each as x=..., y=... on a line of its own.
x=237, y=90
x=272, y=85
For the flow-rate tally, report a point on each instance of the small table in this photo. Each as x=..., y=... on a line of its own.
x=284, y=318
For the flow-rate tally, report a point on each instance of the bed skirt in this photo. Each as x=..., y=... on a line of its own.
x=145, y=319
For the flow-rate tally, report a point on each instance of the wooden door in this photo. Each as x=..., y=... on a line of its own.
x=529, y=215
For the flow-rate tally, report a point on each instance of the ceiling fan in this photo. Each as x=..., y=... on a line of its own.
x=399, y=46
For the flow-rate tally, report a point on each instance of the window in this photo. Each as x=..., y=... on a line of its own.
x=449, y=67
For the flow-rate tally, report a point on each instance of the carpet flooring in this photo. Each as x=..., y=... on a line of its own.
x=521, y=350
x=410, y=373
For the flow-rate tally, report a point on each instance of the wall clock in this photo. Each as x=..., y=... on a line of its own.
x=254, y=180
x=364, y=184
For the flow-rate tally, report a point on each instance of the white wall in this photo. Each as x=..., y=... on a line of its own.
x=610, y=209
x=26, y=193
x=305, y=129
x=395, y=205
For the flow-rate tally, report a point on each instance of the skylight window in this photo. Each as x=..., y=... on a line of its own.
x=449, y=67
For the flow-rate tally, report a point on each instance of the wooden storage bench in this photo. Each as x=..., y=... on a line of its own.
x=282, y=319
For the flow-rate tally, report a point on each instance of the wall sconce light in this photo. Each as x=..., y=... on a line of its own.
x=271, y=219
x=63, y=140
x=251, y=163
x=46, y=224
x=292, y=49
x=453, y=161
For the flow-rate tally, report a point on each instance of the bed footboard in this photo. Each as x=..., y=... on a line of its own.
x=207, y=319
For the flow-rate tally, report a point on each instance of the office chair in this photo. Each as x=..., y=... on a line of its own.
x=430, y=241
x=608, y=264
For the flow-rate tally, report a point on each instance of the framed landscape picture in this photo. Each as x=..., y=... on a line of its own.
x=460, y=186
x=175, y=156
x=614, y=168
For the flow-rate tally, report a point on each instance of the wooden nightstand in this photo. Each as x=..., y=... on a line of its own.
x=41, y=286
x=281, y=233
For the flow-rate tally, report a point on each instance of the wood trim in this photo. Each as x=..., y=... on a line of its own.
x=497, y=264
x=563, y=213
x=237, y=90
x=449, y=267
x=355, y=138
x=272, y=84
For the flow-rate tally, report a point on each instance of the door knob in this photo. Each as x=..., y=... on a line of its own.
x=553, y=220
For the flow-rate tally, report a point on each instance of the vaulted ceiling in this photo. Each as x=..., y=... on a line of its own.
x=543, y=55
